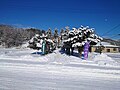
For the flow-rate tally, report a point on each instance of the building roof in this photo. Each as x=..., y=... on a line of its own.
x=105, y=44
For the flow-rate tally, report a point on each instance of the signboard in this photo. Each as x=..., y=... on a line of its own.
x=43, y=47
x=86, y=50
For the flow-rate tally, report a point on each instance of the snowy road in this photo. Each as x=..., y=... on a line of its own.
x=115, y=56
x=17, y=73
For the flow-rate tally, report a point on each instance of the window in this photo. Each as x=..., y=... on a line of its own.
x=114, y=49
x=108, y=50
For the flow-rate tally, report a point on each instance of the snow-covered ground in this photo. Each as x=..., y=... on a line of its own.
x=22, y=70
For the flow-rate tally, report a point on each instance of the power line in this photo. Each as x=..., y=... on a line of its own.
x=115, y=35
x=111, y=29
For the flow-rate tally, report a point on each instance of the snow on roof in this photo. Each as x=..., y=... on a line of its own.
x=105, y=44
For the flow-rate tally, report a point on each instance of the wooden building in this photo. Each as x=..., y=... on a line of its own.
x=105, y=48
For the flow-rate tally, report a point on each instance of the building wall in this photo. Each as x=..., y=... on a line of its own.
x=111, y=49
x=107, y=49
x=93, y=49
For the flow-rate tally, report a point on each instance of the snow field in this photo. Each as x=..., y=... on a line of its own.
x=21, y=70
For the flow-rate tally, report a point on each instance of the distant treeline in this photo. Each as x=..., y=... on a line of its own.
x=11, y=36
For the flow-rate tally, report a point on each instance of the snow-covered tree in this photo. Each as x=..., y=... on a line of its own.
x=56, y=37
x=62, y=31
x=77, y=37
x=49, y=33
x=37, y=41
x=56, y=33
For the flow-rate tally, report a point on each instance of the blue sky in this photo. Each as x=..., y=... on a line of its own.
x=103, y=15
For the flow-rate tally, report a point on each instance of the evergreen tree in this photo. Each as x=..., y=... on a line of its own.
x=56, y=33
x=61, y=33
x=49, y=33
x=37, y=41
x=67, y=28
x=76, y=38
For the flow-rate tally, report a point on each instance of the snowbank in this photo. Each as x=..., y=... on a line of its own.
x=56, y=58
x=103, y=59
